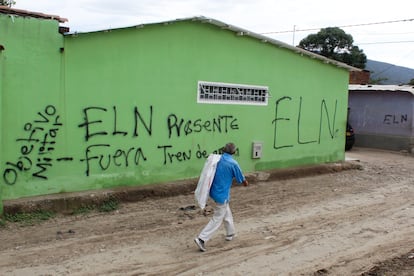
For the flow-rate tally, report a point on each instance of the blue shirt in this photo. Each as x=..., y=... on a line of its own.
x=227, y=169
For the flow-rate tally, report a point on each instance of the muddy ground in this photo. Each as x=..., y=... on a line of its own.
x=335, y=222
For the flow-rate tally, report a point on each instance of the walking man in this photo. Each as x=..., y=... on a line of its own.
x=227, y=170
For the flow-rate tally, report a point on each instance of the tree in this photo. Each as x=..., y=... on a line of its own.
x=378, y=81
x=335, y=44
x=7, y=3
x=411, y=82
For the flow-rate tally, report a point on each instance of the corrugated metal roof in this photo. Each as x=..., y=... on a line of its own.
x=244, y=32
x=11, y=11
x=382, y=88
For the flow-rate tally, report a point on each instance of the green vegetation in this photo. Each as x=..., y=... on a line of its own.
x=84, y=210
x=377, y=81
x=8, y=3
x=29, y=218
x=109, y=205
x=335, y=44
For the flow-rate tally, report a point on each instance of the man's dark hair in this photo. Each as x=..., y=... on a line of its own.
x=229, y=148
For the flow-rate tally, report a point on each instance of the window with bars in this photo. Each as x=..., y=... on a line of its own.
x=227, y=93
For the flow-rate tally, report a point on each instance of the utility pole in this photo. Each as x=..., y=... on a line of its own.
x=294, y=30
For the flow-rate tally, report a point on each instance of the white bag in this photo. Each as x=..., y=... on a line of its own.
x=206, y=179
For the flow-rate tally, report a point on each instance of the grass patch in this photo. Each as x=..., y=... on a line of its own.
x=32, y=218
x=83, y=210
x=109, y=205
x=29, y=218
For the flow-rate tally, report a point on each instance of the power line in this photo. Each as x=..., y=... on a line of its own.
x=378, y=74
x=385, y=42
x=344, y=26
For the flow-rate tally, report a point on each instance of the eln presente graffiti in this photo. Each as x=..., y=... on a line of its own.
x=97, y=154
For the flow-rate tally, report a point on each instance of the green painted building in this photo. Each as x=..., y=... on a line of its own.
x=147, y=104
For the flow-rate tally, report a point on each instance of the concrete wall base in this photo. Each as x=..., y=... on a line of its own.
x=387, y=142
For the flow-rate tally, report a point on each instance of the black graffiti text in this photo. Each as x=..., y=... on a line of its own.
x=37, y=145
x=181, y=126
x=171, y=155
x=96, y=120
x=392, y=119
x=327, y=121
x=102, y=157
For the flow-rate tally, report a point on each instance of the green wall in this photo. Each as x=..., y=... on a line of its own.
x=125, y=103
x=30, y=82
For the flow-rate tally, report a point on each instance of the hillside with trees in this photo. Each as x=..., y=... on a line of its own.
x=334, y=43
x=386, y=73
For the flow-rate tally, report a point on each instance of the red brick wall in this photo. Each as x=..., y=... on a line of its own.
x=359, y=77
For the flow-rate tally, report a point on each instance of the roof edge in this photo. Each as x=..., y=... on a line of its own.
x=263, y=38
x=18, y=12
x=241, y=32
x=381, y=88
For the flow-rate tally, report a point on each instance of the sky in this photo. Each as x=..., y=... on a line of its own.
x=384, y=30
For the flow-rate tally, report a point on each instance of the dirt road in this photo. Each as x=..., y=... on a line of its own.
x=339, y=223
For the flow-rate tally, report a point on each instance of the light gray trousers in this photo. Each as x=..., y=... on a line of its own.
x=222, y=213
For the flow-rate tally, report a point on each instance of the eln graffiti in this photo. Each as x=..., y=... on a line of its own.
x=38, y=143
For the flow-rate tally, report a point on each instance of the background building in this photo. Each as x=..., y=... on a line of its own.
x=382, y=116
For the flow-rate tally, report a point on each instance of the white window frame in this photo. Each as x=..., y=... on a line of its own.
x=246, y=94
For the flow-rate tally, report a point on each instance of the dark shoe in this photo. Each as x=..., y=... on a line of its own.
x=200, y=244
